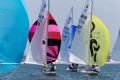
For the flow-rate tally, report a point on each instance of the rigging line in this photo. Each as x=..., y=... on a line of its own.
x=13, y=72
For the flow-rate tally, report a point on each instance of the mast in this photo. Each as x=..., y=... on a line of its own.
x=90, y=26
x=47, y=33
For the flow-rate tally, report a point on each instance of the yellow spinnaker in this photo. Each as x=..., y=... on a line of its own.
x=99, y=42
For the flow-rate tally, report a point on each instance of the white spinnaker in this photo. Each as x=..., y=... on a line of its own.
x=66, y=39
x=80, y=45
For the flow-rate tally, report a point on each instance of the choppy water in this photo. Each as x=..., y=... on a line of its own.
x=30, y=72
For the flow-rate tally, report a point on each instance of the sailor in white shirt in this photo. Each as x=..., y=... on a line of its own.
x=95, y=68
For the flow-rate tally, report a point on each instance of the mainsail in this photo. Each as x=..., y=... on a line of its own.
x=14, y=27
x=64, y=55
x=39, y=40
x=116, y=50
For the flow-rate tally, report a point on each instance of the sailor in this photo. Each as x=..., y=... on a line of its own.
x=45, y=66
x=95, y=68
x=73, y=66
x=53, y=67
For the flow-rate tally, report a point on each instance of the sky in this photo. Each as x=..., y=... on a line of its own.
x=107, y=10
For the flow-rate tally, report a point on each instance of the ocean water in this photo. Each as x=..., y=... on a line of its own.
x=33, y=72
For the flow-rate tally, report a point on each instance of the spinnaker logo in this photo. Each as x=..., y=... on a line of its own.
x=94, y=46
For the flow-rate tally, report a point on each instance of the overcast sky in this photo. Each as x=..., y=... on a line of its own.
x=107, y=10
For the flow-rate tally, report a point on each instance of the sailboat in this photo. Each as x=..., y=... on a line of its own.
x=92, y=39
x=67, y=37
x=53, y=36
x=14, y=28
x=45, y=40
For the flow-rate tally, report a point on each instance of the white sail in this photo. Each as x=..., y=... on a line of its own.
x=39, y=40
x=66, y=39
x=74, y=59
x=28, y=54
x=116, y=50
x=38, y=45
x=80, y=45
